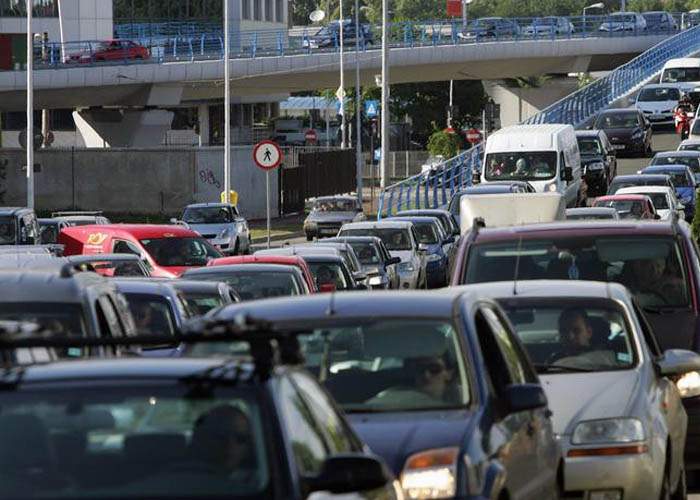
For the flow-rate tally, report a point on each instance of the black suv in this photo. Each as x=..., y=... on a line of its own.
x=18, y=226
x=598, y=160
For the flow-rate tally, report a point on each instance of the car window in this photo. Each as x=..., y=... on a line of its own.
x=152, y=314
x=335, y=433
x=180, y=252
x=618, y=120
x=525, y=166
x=647, y=331
x=207, y=215
x=329, y=273
x=201, y=303
x=651, y=267
x=253, y=285
x=7, y=231
x=308, y=446
x=395, y=239
x=426, y=232
x=561, y=334
x=125, y=247
x=513, y=363
x=366, y=253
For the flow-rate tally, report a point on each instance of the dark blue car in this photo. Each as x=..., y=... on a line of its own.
x=436, y=244
x=683, y=182
x=436, y=384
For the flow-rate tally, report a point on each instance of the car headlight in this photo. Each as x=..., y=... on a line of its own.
x=609, y=430
x=434, y=258
x=552, y=187
x=406, y=267
x=595, y=166
x=430, y=474
x=375, y=281
x=225, y=233
x=689, y=385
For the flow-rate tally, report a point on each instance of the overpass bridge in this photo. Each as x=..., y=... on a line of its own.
x=578, y=109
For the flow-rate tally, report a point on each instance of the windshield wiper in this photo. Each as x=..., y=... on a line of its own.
x=560, y=368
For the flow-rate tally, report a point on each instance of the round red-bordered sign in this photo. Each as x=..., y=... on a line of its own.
x=267, y=155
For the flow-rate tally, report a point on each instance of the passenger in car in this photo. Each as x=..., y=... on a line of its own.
x=575, y=331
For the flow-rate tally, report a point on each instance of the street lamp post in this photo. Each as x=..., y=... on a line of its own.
x=385, y=95
x=358, y=105
x=599, y=5
x=341, y=91
x=30, y=107
x=227, y=106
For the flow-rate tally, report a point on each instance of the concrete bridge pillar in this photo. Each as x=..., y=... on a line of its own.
x=115, y=128
x=520, y=103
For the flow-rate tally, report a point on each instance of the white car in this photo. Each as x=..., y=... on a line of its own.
x=689, y=145
x=401, y=240
x=624, y=21
x=663, y=198
x=657, y=101
x=694, y=130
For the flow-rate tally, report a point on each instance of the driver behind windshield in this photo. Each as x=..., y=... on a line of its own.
x=653, y=280
x=575, y=332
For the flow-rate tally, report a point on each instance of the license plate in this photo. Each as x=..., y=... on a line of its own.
x=618, y=146
x=329, y=231
x=657, y=117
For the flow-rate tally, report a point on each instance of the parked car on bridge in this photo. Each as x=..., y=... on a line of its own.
x=622, y=181
x=629, y=206
x=221, y=224
x=658, y=102
x=663, y=197
x=598, y=159
x=659, y=21
x=629, y=130
x=592, y=213
x=19, y=226
x=590, y=339
x=549, y=26
x=488, y=28
x=329, y=36
x=402, y=241
x=329, y=213
x=624, y=21
x=377, y=354
x=683, y=182
x=112, y=50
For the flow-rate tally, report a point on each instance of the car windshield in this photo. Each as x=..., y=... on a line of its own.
x=617, y=120
x=532, y=165
x=201, y=303
x=253, y=285
x=651, y=267
x=152, y=314
x=589, y=146
x=395, y=239
x=674, y=75
x=690, y=161
x=560, y=336
x=690, y=147
x=146, y=441
x=7, y=231
x=329, y=273
x=207, y=215
x=367, y=253
x=622, y=18
x=628, y=209
x=335, y=205
x=176, y=252
x=659, y=94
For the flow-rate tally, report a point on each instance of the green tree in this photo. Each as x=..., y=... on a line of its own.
x=695, y=226
x=444, y=144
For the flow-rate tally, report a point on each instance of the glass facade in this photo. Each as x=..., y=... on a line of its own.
x=167, y=10
x=42, y=8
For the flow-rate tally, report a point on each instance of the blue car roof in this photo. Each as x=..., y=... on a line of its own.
x=659, y=169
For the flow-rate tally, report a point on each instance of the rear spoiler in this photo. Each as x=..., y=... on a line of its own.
x=77, y=261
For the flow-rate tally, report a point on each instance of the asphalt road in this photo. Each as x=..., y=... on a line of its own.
x=662, y=141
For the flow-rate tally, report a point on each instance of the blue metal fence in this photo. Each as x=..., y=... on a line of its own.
x=436, y=189
x=179, y=41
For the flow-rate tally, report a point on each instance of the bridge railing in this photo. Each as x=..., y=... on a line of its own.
x=174, y=41
x=436, y=189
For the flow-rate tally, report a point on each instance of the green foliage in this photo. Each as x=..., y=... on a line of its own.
x=444, y=144
x=695, y=226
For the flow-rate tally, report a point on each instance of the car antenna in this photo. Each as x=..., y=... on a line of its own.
x=517, y=266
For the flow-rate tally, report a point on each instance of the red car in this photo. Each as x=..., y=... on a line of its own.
x=629, y=206
x=295, y=261
x=167, y=251
x=112, y=50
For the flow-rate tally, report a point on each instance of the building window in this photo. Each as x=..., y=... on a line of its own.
x=268, y=11
x=60, y=120
x=245, y=7
x=279, y=11
x=42, y=8
x=258, y=10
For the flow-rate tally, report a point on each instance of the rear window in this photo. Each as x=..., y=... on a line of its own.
x=7, y=231
x=617, y=185
x=394, y=239
x=617, y=120
x=253, y=285
x=651, y=267
x=152, y=314
x=180, y=252
x=188, y=441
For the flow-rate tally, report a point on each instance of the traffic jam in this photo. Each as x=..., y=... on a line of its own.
x=535, y=337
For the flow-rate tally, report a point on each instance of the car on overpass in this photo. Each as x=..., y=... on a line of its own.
x=599, y=161
x=589, y=339
x=111, y=51
x=329, y=36
x=429, y=382
x=628, y=129
x=490, y=28
x=659, y=21
x=624, y=21
x=549, y=26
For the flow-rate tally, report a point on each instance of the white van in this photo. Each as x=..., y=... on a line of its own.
x=683, y=73
x=546, y=156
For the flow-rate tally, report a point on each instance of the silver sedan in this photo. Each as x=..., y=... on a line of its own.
x=617, y=413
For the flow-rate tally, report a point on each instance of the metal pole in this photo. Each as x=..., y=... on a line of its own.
x=464, y=14
x=267, y=198
x=385, y=94
x=449, y=112
x=343, y=125
x=227, y=106
x=60, y=30
x=358, y=105
x=622, y=5
x=30, y=107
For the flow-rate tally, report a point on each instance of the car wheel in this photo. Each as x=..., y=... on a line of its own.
x=681, y=492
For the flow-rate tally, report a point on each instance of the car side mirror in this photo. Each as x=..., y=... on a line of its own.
x=567, y=174
x=422, y=248
x=524, y=397
x=349, y=473
x=675, y=362
x=327, y=288
x=449, y=240
x=393, y=261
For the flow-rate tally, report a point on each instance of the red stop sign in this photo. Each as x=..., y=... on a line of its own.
x=311, y=136
x=473, y=136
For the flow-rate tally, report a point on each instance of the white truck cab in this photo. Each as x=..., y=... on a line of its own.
x=546, y=156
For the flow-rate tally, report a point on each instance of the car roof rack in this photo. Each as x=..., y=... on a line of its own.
x=269, y=346
x=77, y=213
